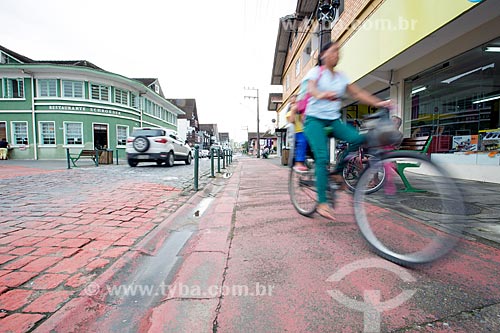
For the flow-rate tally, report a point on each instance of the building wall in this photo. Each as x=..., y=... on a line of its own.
x=149, y=110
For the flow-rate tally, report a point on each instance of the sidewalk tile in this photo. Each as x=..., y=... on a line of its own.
x=14, y=299
x=48, y=281
x=20, y=322
x=49, y=301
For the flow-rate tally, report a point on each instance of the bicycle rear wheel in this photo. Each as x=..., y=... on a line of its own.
x=415, y=218
x=353, y=170
x=302, y=190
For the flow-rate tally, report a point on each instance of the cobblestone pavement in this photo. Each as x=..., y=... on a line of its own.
x=60, y=228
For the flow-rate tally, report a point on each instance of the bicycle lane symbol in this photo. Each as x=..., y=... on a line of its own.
x=371, y=306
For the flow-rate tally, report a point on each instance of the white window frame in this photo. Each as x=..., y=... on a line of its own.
x=297, y=67
x=15, y=134
x=134, y=101
x=8, y=92
x=50, y=86
x=121, y=96
x=41, y=134
x=102, y=88
x=65, y=130
x=73, y=90
x=127, y=130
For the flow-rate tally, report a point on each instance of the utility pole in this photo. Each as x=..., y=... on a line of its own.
x=258, y=120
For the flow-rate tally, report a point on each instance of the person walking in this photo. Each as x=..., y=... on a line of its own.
x=4, y=149
x=300, y=147
x=326, y=86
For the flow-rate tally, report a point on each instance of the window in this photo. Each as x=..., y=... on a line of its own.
x=47, y=88
x=20, y=132
x=121, y=97
x=73, y=133
x=72, y=89
x=14, y=88
x=99, y=92
x=47, y=133
x=121, y=135
x=287, y=82
x=134, y=101
x=297, y=67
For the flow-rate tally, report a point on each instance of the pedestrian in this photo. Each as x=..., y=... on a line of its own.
x=300, y=146
x=326, y=86
x=4, y=149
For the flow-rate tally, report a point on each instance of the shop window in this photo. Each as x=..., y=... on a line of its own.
x=99, y=92
x=47, y=88
x=458, y=102
x=13, y=88
x=47, y=131
x=73, y=133
x=72, y=89
x=121, y=135
x=20, y=132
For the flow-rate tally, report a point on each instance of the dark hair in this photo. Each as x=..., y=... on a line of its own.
x=323, y=48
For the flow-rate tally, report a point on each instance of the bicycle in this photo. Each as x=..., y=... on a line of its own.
x=407, y=228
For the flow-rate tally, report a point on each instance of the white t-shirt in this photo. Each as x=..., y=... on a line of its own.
x=322, y=108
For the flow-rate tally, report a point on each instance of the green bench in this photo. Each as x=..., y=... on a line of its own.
x=419, y=144
x=93, y=154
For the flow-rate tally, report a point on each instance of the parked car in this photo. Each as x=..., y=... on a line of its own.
x=160, y=145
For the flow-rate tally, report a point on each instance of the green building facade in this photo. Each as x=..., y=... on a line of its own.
x=49, y=106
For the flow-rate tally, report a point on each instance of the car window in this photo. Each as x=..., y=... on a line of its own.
x=148, y=132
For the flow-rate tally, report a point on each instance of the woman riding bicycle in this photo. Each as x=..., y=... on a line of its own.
x=326, y=86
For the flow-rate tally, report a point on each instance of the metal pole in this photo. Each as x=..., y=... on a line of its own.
x=67, y=158
x=212, y=164
x=196, y=166
x=218, y=160
x=258, y=129
x=223, y=158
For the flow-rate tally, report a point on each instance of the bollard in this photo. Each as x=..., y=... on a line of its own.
x=218, y=160
x=117, y=156
x=67, y=158
x=223, y=158
x=196, y=166
x=212, y=163
x=96, y=157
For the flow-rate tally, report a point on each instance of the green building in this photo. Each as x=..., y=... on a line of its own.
x=49, y=106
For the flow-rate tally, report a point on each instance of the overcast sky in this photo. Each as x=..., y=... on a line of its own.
x=207, y=50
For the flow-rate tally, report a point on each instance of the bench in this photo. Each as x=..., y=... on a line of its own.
x=419, y=144
x=93, y=154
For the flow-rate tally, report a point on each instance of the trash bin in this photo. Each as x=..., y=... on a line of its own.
x=106, y=156
x=285, y=153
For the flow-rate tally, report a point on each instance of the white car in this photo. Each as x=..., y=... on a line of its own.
x=160, y=145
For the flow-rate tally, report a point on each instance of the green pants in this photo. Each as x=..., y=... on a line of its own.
x=314, y=129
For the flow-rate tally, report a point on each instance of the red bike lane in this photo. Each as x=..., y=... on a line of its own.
x=312, y=275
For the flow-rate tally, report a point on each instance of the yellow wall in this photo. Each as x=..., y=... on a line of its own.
x=392, y=28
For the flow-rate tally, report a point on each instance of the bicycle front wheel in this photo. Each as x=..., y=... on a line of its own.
x=418, y=214
x=302, y=190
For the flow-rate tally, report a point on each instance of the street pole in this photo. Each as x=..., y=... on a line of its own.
x=258, y=120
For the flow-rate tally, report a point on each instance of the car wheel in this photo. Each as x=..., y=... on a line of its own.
x=188, y=159
x=170, y=159
x=141, y=144
x=132, y=163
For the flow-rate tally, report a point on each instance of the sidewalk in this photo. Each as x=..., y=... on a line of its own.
x=277, y=271
x=236, y=257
